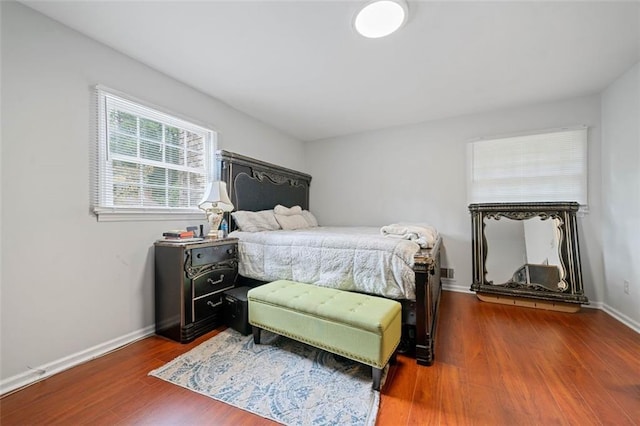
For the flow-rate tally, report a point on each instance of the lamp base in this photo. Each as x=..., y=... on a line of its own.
x=214, y=216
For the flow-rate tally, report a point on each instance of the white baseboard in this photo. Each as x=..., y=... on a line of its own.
x=634, y=325
x=593, y=305
x=450, y=285
x=47, y=370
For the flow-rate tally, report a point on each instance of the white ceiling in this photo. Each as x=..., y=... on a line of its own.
x=300, y=67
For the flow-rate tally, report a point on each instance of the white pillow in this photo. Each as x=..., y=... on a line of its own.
x=264, y=220
x=310, y=218
x=286, y=211
x=291, y=222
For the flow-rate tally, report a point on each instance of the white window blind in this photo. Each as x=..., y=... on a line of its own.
x=149, y=162
x=533, y=168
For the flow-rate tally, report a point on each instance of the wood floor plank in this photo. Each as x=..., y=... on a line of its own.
x=606, y=389
x=453, y=408
x=427, y=399
x=559, y=384
x=395, y=404
x=524, y=393
x=484, y=406
x=495, y=365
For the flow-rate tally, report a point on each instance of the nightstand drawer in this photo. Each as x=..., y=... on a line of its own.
x=207, y=306
x=218, y=280
x=214, y=254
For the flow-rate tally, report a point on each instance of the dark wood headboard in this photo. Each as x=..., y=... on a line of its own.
x=256, y=185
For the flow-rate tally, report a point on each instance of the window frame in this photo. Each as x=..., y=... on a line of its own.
x=101, y=164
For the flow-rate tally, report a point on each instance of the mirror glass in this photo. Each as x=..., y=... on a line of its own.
x=524, y=253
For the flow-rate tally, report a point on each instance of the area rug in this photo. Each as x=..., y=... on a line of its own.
x=280, y=379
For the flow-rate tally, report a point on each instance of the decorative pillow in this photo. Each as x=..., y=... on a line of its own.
x=264, y=220
x=310, y=218
x=286, y=211
x=291, y=222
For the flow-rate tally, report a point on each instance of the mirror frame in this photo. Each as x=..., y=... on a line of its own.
x=568, y=246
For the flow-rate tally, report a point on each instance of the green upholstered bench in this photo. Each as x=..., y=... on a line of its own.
x=356, y=326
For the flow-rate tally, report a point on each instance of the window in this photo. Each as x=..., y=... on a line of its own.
x=532, y=168
x=151, y=165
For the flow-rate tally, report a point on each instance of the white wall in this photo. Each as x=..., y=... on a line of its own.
x=69, y=283
x=621, y=194
x=418, y=173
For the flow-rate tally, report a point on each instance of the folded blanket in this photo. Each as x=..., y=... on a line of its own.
x=424, y=235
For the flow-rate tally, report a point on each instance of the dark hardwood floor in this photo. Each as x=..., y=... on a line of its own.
x=495, y=365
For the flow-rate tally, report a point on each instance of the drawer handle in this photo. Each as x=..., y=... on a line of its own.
x=213, y=305
x=212, y=282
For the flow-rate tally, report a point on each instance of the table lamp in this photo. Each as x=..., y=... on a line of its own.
x=214, y=203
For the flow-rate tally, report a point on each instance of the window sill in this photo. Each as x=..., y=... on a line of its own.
x=138, y=215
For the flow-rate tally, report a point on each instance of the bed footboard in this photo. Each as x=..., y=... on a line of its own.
x=428, y=289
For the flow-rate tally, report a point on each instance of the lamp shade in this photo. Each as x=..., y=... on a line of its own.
x=216, y=196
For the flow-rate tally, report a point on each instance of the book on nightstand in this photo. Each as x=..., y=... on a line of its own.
x=178, y=233
x=180, y=236
x=180, y=240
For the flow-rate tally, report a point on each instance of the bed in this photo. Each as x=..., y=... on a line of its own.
x=411, y=275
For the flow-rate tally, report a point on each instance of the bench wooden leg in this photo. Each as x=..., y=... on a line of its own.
x=377, y=376
x=256, y=334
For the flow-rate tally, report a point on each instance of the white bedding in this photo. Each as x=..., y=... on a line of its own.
x=346, y=258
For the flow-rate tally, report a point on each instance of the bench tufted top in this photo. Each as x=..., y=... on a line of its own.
x=358, y=310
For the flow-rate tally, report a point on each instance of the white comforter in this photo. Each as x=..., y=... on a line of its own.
x=346, y=258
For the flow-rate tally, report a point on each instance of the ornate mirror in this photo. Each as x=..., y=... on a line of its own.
x=527, y=251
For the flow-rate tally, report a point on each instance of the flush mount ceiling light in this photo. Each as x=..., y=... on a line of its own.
x=380, y=18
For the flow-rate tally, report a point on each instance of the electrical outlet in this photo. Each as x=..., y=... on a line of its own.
x=626, y=286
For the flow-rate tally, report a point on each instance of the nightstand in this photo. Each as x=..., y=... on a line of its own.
x=190, y=278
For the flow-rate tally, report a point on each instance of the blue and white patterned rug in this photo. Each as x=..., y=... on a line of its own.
x=280, y=379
